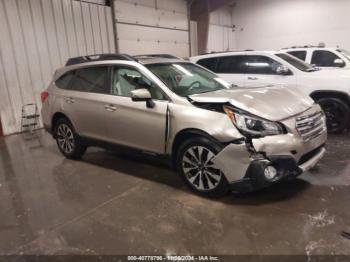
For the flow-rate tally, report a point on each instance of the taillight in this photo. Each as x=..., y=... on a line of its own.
x=43, y=96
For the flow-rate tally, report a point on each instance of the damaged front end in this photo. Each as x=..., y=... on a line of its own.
x=270, y=149
x=247, y=170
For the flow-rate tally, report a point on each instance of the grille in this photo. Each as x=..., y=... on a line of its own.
x=311, y=126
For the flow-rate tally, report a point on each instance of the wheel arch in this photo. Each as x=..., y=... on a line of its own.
x=318, y=94
x=55, y=118
x=186, y=134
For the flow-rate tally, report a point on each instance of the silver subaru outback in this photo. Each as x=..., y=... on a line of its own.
x=220, y=137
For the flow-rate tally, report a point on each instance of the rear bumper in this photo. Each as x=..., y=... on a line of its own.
x=48, y=128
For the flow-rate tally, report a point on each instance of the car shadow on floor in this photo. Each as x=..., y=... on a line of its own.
x=280, y=192
x=160, y=171
x=136, y=164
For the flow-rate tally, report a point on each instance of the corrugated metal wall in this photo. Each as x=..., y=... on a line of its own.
x=221, y=35
x=152, y=26
x=37, y=37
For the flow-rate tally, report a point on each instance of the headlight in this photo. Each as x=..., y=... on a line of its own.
x=253, y=126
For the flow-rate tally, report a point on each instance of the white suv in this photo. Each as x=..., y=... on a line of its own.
x=329, y=88
x=324, y=57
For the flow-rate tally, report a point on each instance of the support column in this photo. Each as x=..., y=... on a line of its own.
x=200, y=12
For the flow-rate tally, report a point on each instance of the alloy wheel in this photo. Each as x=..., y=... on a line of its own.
x=199, y=169
x=65, y=138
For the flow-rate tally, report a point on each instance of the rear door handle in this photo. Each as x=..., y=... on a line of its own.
x=252, y=78
x=69, y=100
x=110, y=108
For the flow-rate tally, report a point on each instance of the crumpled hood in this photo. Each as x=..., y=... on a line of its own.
x=269, y=102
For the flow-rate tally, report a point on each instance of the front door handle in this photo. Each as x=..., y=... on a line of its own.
x=252, y=78
x=69, y=100
x=110, y=108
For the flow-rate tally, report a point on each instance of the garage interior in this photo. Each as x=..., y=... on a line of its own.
x=125, y=203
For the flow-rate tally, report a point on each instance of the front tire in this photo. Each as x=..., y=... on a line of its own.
x=67, y=140
x=337, y=114
x=199, y=173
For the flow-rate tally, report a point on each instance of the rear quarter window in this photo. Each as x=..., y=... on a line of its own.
x=92, y=80
x=65, y=80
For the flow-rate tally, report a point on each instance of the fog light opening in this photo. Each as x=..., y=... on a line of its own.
x=270, y=172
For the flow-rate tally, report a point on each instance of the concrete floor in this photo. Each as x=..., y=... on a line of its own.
x=113, y=204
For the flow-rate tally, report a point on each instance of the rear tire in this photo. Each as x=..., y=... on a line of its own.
x=337, y=114
x=198, y=172
x=67, y=140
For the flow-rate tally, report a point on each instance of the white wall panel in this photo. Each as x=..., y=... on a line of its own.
x=178, y=6
x=103, y=29
x=41, y=41
x=110, y=22
x=89, y=37
x=96, y=28
x=222, y=16
x=127, y=12
x=32, y=60
x=79, y=28
x=60, y=28
x=221, y=36
x=37, y=37
x=51, y=34
x=12, y=96
x=135, y=40
x=100, y=2
x=69, y=27
x=149, y=3
x=274, y=24
x=157, y=26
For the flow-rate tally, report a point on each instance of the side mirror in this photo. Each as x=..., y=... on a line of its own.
x=339, y=62
x=283, y=70
x=142, y=94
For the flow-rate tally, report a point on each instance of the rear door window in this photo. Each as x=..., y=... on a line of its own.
x=231, y=65
x=263, y=65
x=298, y=54
x=92, y=80
x=324, y=58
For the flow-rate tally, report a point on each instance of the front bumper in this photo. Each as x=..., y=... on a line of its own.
x=286, y=166
x=244, y=165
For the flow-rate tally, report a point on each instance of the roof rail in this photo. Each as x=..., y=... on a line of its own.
x=230, y=51
x=98, y=57
x=320, y=45
x=156, y=56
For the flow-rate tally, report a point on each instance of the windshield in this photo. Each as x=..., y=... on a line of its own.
x=187, y=79
x=344, y=53
x=297, y=63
